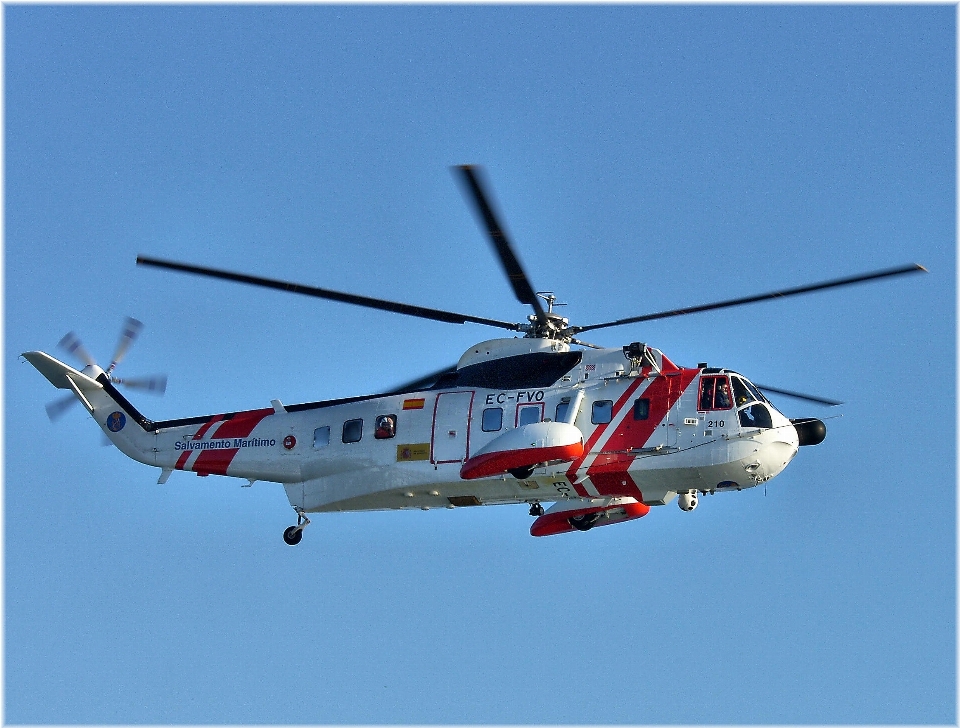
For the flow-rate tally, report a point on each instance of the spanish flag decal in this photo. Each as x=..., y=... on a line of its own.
x=419, y=451
x=410, y=404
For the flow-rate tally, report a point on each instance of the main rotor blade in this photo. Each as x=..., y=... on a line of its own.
x=511, y=266
x=424, y=382
x=798, y=395
x=377, y=303
x=784, y=293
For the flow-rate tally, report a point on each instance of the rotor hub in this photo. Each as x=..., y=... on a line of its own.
x=547, y=326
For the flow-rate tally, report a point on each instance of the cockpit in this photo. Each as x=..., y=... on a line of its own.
x=721, y=390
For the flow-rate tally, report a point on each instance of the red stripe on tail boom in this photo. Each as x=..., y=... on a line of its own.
x=182, y=460
x=240, y=425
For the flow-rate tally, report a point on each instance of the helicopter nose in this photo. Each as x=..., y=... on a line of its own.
x=771, y=459
x=778, y=446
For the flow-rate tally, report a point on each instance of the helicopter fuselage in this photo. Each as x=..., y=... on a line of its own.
x=644, y=431
x=603, y=434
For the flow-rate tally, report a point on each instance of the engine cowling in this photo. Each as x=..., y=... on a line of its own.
x=525, y=447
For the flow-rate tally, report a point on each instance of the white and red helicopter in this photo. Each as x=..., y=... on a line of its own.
x=602, y=434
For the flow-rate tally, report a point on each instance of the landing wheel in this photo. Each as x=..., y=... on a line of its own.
x=522, y=473
x=584, y=522
x=292, y=535
x=536, y=509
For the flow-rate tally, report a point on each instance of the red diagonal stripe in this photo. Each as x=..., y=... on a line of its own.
x=608, y=471
x=182, y=460
x=240, y=425
x=598, y=433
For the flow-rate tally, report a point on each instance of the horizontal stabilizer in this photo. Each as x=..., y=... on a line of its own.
x=58, y=373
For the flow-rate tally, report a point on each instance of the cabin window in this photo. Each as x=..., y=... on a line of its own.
x=321, y=436
x=492, y=419
x=563, y=409
x=641, y=409
x=529, y=414
x=756, y=415
x=386, y=427
x=602, y=412
x=715, y=393
x=352, y=430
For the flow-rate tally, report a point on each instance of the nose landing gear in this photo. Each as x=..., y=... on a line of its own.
x=293, y=534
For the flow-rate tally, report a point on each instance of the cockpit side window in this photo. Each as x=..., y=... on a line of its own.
x=707, y=386
x=756, y=415
x=722, y=399
x=715, y=393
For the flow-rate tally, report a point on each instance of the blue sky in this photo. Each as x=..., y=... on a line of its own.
x=643, y=158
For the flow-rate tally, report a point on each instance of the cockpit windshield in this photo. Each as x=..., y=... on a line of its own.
x=756, y=392
x=753, y=410
x=741, y=394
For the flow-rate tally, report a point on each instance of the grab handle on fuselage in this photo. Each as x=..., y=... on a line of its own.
x=574, y=409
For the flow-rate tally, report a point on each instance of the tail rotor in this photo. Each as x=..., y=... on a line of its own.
x=71, y=343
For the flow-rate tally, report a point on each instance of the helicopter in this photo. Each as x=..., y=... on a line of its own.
x=602, y=435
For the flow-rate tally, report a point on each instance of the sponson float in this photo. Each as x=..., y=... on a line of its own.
x=603, y=434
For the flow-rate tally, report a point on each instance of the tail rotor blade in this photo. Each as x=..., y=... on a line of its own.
x=156, y=384
x=59, y=407
x=131, y=330
x=72, y=344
